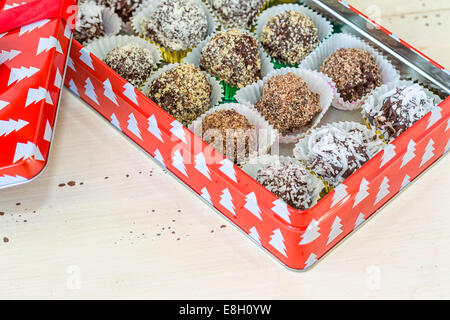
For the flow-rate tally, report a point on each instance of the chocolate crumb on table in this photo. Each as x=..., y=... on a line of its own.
x=354, y=71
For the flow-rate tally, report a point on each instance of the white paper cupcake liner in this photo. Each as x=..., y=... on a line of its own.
x=374, y=101
x=111, y=22
x=302, y=148
x=216, y=88
x=254, y=164
x=146, y=9
x=316, y=81
x=100, y=47
x=266, y=134
x=324, y=27
x=194, y=56
x=342, y=40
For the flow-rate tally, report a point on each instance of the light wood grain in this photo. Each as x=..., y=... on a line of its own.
x=108, y=228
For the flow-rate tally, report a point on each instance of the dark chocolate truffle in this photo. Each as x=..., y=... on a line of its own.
x=335, y=153
x=237, y=13
x=288, y=103
x=183, y=91
x=132, y=62
x=400, y=108
x=176, y=24
x=89, y=25
x=354, y=72
x=289, y=181
x=230, y=133
x=233, y=57
x=123, y=8
x=289, y=37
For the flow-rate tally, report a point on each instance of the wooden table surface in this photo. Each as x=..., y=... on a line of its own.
x=104, y=221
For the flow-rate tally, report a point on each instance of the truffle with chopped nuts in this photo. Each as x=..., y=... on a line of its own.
x=176, y=24
x=289, y=37
x=233, y=57
x=291, y=182
x=288, y=103
x=132, y=62
x=237, y=13
x=354, y=72
x=183, y=91
x=89, y=24
x=230, y=133
x=399, y=109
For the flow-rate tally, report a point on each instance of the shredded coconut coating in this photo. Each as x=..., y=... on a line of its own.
x=231, y=134
x=289, y=37
x=288, y=103
x=132, y=62
x=177, y=24
x=354, y=71
x=233, y=57
x=400, y=108
x=89, y=23
x=183, y=91
x=237, y=13
x=290, y=182
x=123, y=8
x=336, y=153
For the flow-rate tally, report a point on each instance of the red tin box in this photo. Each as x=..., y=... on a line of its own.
x=34, y=45
x=296, y=238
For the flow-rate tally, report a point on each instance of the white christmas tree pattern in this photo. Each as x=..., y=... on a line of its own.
x=205, y=195
x=360, y=220
x=336, y=230
x=133, y=126
x=27, y=150
x=130, y=93
x=227, y=201
x=70, y=64
x=311, y=233
x=434, y=117
x=410, y=153
x=228, y=169
x=8, y=126
x=18, y=74
x=45, y=44
x=255, y=235
x=8, y=55
x=115, y=122
x=73, y=87
x=32, y=26
x=153, y=127
x=48, y=132
x=277, y=241
x=251, y=204
x=340, y=192
x=384, y=190
x=90, y=90
x=3, y=104
x=362, y=193
x=311, y=261
x=58, y=83
x=108, y=91
x=200, y=165
x=429, y=152
x=406, y=182
x=7, y=180
x=388, y=154
x=36, y=95
x=178, y=162
x=85, y=56
x=178, y=130
x=158, y=157
x=281, y=209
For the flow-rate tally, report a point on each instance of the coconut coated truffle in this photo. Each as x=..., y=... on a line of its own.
x=89, y=25
x=237, y=13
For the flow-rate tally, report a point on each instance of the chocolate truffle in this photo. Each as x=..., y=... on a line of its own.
x=176, y=24
x=289, y=37
x=336, y=153
x=183, y=91
x=230, y=133
x=123, y=8
x=89, y=25
x=132, y=62
x=287, y=103
x=290, y=182
x=232, y=56
x=400, y=108
x=354, y=72
x=237, y=13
